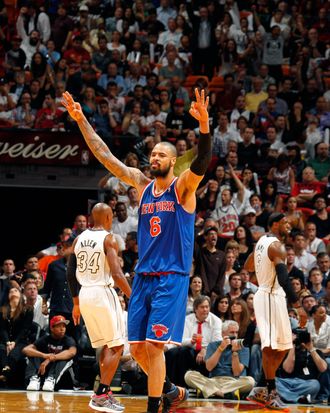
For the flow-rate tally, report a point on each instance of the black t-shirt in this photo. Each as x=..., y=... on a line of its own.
x=48, y=344
x=304, y=366
x=322, y=225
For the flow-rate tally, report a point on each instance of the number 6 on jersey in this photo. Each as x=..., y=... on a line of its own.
x=155, y=228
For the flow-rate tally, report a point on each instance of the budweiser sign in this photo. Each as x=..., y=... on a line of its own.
x=43, y=147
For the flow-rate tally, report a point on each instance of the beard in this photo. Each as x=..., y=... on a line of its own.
x=33, y=42
x=160, y=173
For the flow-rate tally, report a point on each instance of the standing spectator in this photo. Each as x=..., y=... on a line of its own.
x=30, y=45
x=227, y=362
x=62, y=29
x=8, y=268
x=210, y=262
x=273, y=51
x=165, y=12
x=203, y=40
x=56, y=287
x=30, y=18
x=50, y=356
x=123, y=224
x=321, y=218
x=34, y=301
x=79, y=226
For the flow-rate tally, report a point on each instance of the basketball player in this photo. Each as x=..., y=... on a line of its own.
x=95, y=266
x=156, y=311
x=268, y=261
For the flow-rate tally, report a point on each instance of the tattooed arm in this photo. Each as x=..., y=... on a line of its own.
x=131, y=176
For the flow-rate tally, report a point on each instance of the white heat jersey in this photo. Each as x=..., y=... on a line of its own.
x=228, y=220
x=264, y=267
x=92, y=265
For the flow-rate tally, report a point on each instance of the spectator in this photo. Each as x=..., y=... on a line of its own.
x=247, y=150
x=306, y=190
x=15, y=331
x=314, y=245
x=62, y=29
x=165, y=12
x=249, y=221
x=323, y=262
x=294, y=215
x=179, y=122
x=283, y=175
x=34, y=300
x=49, y=117
x=76, y=54
x=303, y=260
x=321, y=162
x=130, y=254
x=56, y=287
x=79, y=226
x=210, y=262
x=50, y=53
x=201, y=328
x=50, y=356
x=238, y=111
x=23, y=115
x=221, y=308
x=298, y=379
x=308, y=302
x=235, y=286
x=256, y=96
x=170, y=69
x=227, y=362
x=8, y=268
x=132, y=123
x=104, y=122
x=115, y=44
x=101, y=57
x=170, y=35
x=321, y=218
x=247, y=285
x=325, y=301
x=30, y=45
x=195, y=290
x=122, y=223
x=293, y=271
x=281, y=107
x=273, y=51
x=319, y=329
x=222, y=135
x=244, y=238
x=30, y=18
x=134, y=77
x=316, y=278
x=15, y=57
x=240, y=314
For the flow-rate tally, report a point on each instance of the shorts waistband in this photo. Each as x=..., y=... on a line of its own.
x=160, y=273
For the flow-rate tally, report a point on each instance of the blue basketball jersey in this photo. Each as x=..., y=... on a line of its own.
x=165, y=233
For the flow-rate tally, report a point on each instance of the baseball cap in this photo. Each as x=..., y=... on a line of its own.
x=179, y=102
x=83, y=8
x=58, y=319
x=249, y=210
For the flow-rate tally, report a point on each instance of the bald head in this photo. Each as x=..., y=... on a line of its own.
x=102, y=215
x=170, y=149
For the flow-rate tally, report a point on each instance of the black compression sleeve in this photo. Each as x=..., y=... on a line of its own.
x=71, y=275
x=201, y=162
x=284, y=281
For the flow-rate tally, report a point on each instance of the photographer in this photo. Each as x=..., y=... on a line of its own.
x=303, y=376
x=226, y=361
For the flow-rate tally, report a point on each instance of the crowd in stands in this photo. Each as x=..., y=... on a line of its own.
x=133, y=66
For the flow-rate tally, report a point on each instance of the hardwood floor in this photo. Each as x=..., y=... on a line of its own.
x=69, y=402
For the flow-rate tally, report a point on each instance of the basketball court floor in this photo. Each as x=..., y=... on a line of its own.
x=71, y=402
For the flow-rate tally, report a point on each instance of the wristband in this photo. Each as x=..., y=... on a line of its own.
x=312, y=350
x=234, y=353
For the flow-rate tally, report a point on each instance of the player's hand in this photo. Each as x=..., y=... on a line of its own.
x=72, y=107
x=76, y=314
x=198, y=109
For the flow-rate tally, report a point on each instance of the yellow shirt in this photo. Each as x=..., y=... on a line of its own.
x=183, y=162
x=254, y=99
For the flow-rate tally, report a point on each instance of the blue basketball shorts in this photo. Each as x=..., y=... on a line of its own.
x=157, y=308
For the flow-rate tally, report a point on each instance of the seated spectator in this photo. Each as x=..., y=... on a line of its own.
x=323, y=262
x=281, y=107
x=249, y=221
x=308, y=303
x=133, y=121
x=116, y=102
x=221, y=308
x=15, y=57
x=261, y=213
x=123, y=224
x=49, y=117
x=321, y=218
x=303, y=374
x=210, y=262
x=112, y=75
x=313, y=137
x=76, y=54
x=50, y=53
x=34, y=301
x=314, y=245
x=303, y=259
x=247, y=150
x=154, y=115
x=247, y=285
x=230, y=262
x=226, y=362
x=177, y=91
x=15, y=332
x=31, y=268
x=306, y=190
x=179, y=122
x=250, y=181
x=325, y=300
x=134, y=77
x=294, y=215
x=226, y=99
x=222, y=135
x=299, y=287
x=101, y=57
x=293, y=271
x=240, y=314
x=201, y=328
x=170, y=35
x=195, y=290
x=245, y=241
x=115, y=44
x=104, y=121
x=170, y=70
x=50, y=356
x=319, y=329
x=23, y=116
x=283, y=175
x=235, y=286
x=41, y=71
x=256, y=96
x=315, y=279
x=321, y=162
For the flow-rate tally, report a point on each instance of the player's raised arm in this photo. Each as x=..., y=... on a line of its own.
x=190, y=179
x=131, y=176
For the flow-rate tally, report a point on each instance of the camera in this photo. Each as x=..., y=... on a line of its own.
x=240, y=341
x=302, y=336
